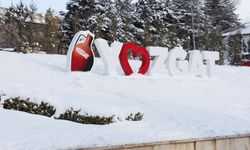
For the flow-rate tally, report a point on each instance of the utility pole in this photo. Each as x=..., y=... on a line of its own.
x=193, y=32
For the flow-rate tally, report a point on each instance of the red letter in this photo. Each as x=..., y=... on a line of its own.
x=136, y=51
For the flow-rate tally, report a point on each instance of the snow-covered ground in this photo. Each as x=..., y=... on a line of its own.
x=174, y=108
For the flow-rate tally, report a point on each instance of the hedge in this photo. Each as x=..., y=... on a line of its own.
x=48, y=110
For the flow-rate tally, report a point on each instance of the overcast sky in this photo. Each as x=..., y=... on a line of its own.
x=243, y=9
x=58, y=5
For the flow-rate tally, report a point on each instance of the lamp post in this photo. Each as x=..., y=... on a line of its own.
x=193, y=32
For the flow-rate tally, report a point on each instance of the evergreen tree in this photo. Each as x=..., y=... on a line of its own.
x=52, y=33
x=125, y=19
x=169, y=28
x=158, y=25
x=165, y=23
x=207, y=36
x=220, y=18
x=112, y=20
x=103, y=29
x=114, y=26
x=213, y=41
x=221, y=14
x=144, y=12
x=182, y=9
x=80, y=15
x=234, y=47
x=2, y=35
x=19, y=30
x=30, y=28
x=15, y=24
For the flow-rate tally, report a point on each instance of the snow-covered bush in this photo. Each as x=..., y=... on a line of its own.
x=48, y=110
x=135, y=117
x=26, y=105
x=76, y=116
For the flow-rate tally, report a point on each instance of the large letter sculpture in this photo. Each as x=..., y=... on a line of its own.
x=196, y=64
x=80, y=56
x=136, y=51
x=109, y=55
x=176, y=62
x=210, y=58
x=160, y=55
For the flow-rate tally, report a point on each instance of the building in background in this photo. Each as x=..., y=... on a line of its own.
x=2, y=11
x=245, y=32
x=38, y=24
x=40, y=30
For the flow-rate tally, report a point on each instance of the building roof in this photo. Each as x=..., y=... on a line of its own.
x=245, y=30
x=2, y=11
x=37, y=17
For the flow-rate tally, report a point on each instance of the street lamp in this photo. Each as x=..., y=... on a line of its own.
x=193, y=32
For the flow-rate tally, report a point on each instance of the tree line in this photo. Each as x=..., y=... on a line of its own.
x=165, y=23
x=26, y=30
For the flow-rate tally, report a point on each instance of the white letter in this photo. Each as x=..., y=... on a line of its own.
x=176, y=63
x=109, y=55
x=160, y=55
x=196, y=64
x=210, y=58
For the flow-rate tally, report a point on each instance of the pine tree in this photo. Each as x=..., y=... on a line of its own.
x=19, y=30
x=213, y=41
x=182, y=9
x=157, y=23
x=2, y=33
x=206, y=35
x=30, y=28
x=144, y=12
x=221, y=14
x=15, y=24
x=114, y=26
x=170, y=32
x=220, y=17
x=52, y=33
x=80, y=15
x=103, y=20
x=234, y=47
x=125, y=19
x=165, y=23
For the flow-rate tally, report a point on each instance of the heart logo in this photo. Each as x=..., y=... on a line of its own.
x=137, y=51
x=81, y=57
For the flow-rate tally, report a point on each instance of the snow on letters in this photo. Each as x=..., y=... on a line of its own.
x=176, y=61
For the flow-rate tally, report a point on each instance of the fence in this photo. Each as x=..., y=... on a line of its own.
x=237, y=142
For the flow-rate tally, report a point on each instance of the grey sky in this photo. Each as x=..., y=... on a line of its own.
x=58, y=5
x=243, y=10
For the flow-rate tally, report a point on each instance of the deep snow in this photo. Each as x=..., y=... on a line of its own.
x=174, y=108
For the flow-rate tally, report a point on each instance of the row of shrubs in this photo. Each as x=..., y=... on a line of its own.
x=48, y=110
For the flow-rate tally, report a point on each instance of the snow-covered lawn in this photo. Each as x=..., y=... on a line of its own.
x=174, y=108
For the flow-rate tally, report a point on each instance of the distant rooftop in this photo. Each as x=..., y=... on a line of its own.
x=2, y=11
x=38, y=18
x=243, y=30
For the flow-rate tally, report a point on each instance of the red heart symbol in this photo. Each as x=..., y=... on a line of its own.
x=82, y=58
x=136, y=51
